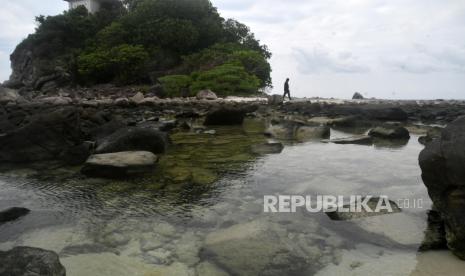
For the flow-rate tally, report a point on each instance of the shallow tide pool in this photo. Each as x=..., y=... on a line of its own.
x=201, y=212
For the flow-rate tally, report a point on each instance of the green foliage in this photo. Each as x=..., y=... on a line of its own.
x=123, y=64
x=226, y=79
x=176, y=85
x=133, y=40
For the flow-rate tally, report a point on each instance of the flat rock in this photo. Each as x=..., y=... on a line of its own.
x=29, y=261
x=390, y=132
x=134, y=139
x=357, y=140
x=119, y=164
x=354, y=214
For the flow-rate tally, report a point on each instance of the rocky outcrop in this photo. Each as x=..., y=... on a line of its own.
x=119, y=164
x=441, y=163
x=13, y=213
x=29, y=261
x=8, y=95
x=357, y=96
x=206, y=94
x=134, y=139
x=44, y=138
x=225, y=116
x=389, y=132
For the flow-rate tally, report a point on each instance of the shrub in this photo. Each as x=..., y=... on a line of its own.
x=123, y=64
x=176, y=85
x=226, y=79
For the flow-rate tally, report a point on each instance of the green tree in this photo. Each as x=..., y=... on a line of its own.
x=176, y=85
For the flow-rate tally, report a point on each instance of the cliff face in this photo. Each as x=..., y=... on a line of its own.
x=32, y=73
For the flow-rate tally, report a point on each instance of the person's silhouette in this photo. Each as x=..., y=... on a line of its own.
x=286, y=90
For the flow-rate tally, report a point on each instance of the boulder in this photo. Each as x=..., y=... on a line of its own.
x=305, y=133
x=390, y=132
x=357, y=140
x=138, y=98
x=122, y=102
x=225, y=116
x=267, y=148
x=29, y=261
x=12, y=214
x=44, y=138
x=357, y=96
x=150, y=101
x=8, y=95
x=255, y=248
x=206, y=94
x=119, y=164
x=441, y=163
x=275, y=99
x=134, y=139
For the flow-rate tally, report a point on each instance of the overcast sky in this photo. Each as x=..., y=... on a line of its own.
x=382, y=48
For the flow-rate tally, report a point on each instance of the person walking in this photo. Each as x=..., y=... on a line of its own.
x=286, y=90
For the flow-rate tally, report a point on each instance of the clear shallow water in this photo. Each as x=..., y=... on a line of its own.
x=151, y=226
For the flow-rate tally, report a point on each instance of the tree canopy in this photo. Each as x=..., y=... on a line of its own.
x=141, y=41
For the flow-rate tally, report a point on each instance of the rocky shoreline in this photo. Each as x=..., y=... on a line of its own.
x=111, y=135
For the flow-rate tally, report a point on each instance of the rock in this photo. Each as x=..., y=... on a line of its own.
x=150, y=101
x=76, y=155
x=357, y=140
x=44, y=138
x=138, y=98
x=209, y=269
x=390, y=132
x=372, y=203
x=431, y=134
x=122, y=102
x=441, y=163
x=119, y=164
x=305, y=133
x=267, y=148
x=275, y=99
x=134, y=139
x=435, y=234
x=225, y=116
x=12, y=214
x=29, y=261
x=56, y=100
x=357, y=96
x=255, y=248
x=206, y=95
x=338, y=121
x=8, y=95
x=290, y=130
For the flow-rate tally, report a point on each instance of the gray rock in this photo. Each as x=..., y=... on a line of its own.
x=357, y=96
x=255, y=248
x=119, y=164
x=8, y=95
x=44, y=138
x=138, y=98
x=206, y=95
x=441, y=163
x=389, y=132
x=267, y=148
x=275, y=100
x=13, y=214
x=226, y=116
x=29, y=261
x=134, y=139
x=355, y=214
x=305, y=133
x=357, y=140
